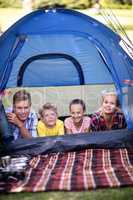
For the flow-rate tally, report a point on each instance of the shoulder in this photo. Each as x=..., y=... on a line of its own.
x=59, y=122
x=86, y=119
x=33, y=114
x=68, y=120
x=96, y=115
x=40, y=123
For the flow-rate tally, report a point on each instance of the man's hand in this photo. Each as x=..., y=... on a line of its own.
x=14, y=119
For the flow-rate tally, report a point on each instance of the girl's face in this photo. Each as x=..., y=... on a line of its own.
x=49, y=118
x=77, y=112
x=109, y=104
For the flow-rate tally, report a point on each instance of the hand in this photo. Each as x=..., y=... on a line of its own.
x=14, y=119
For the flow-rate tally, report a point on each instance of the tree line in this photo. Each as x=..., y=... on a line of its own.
x=76, y=4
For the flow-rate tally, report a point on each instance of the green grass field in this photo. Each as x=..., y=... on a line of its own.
x=102, y=194
x=7, y=18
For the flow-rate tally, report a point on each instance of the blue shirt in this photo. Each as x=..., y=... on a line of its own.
x=30, y=124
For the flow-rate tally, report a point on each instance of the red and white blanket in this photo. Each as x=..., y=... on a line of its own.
x=76, y=171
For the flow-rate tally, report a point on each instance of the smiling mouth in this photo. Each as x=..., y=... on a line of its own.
x=77, y=120
x=23, y=116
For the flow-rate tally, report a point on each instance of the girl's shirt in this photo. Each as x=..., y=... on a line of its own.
x=98, y=122
x=73, y=130
x=43, y=130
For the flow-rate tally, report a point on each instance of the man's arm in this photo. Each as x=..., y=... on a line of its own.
x=23, y=130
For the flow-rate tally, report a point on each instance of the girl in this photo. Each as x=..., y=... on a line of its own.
x=77, y=123
x=110, y=116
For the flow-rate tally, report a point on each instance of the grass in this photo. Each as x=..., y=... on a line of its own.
x=101, y=194
x=7, y=17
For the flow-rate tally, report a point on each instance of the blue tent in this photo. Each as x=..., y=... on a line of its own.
x=60, y=47
x=66, y=42
x=46, y=43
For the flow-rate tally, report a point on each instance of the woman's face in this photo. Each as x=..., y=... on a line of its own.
x=77, y=112
x=109, y=104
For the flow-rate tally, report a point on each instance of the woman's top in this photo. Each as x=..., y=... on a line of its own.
x=43, y=130
x=69, y=124
x=98, y=122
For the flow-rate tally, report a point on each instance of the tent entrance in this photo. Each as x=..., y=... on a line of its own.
x=50, y=69
x=77, y=57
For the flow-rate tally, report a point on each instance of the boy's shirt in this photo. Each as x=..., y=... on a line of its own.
x=43, y=130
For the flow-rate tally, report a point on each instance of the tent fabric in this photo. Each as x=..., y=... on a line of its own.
x=5, y=128
x=64, y=31
x=75, y=171
x=45, y=145
x=80, y=48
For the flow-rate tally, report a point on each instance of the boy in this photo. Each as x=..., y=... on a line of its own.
x=49, y=125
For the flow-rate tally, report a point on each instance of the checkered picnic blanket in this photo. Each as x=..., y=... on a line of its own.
x=76, y=171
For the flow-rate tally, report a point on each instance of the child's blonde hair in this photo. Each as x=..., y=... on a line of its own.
x=47, y=106
x=106, y=93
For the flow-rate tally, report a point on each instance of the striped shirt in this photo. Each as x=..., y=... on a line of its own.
x=30, y=125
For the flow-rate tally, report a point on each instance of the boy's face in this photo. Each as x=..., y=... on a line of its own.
x=22, y=109
x=49, y=118
x=77, y=113
x=109, y=104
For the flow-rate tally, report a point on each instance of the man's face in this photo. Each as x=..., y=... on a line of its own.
x=22, y=109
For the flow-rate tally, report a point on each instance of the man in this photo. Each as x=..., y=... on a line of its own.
x=23, y=120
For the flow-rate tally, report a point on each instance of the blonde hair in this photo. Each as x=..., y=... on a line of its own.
x=47, y=106
x=106, y=93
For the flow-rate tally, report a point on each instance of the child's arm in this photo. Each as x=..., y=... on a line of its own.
x=67, y=126
x=40, y=129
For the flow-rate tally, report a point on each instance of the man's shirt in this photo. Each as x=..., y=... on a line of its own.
x=30, y=124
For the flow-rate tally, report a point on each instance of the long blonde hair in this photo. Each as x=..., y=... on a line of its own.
x=110, y=94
